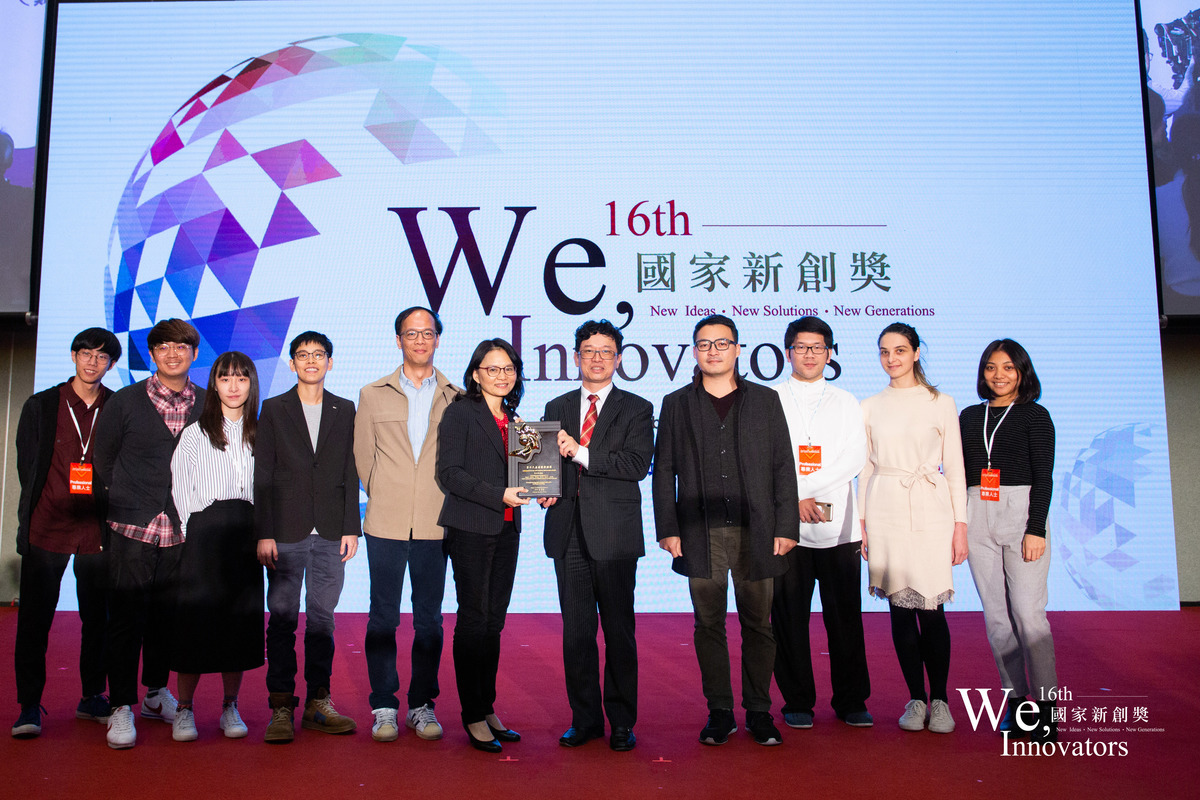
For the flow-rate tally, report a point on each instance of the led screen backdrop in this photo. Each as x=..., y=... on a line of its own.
x=266, y=168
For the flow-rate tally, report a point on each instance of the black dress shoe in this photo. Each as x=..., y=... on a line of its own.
x=622, y=739
x=574, y=737
x=486, y=745
x=506, y=735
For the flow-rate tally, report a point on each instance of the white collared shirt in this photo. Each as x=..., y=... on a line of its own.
x=581, y=456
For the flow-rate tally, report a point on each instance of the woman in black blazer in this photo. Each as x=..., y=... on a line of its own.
x=482, y=518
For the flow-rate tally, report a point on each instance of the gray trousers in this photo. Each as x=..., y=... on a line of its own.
x=1013, y=592
x=727, y=554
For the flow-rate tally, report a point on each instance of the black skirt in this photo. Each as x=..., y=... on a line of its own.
x=219, y=617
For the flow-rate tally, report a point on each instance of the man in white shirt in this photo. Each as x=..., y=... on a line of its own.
x=829, y=446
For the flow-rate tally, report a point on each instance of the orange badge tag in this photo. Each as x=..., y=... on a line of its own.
x=989, y=484
x=810, y=459
x=81, y=478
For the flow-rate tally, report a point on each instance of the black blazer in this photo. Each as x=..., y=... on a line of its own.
x=472, y=468
x=36, y=434
x=607, y=493
x=296, y=488
x=767, y=472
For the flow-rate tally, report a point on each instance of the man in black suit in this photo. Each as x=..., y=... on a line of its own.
x=60, y=516
x=307, y=521
x=594, y=535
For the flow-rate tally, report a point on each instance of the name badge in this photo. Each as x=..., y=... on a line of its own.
x=989, y=484
x=810, y=459
x=81, y=478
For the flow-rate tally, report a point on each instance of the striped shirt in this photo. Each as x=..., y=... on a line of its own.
x=201, y=474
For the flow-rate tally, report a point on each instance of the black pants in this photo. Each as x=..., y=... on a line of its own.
x=41, y=579
x=838, y=570
x=586, y=586
x=484, y=569
x=143, y=583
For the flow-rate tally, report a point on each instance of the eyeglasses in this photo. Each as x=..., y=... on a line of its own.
x=587, y=354
x=89, y=356
x=412, y=336
x=815, y=349
x=704, y=345
x=316, y=356
x=493, y=372
x=171, y=347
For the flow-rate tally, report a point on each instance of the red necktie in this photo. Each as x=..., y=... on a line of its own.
x=589, y=422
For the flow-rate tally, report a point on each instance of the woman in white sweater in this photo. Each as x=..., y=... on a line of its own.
x=914, y=519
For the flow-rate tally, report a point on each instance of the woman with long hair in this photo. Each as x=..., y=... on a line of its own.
x=1008, y=448
x=914, y=519
x=482, y=518
x=219, y=618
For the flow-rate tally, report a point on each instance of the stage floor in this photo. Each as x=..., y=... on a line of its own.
x=1141, y=662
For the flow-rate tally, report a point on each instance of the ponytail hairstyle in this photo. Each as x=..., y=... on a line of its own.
x=212, y=420
x=914, y=341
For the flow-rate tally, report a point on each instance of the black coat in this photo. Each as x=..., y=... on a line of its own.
x=609, y=497
x=767, y=473
x=297, y=488
x=36, y=434
x=473, y=469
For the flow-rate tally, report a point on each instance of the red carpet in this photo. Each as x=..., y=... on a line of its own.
x=1106, y=660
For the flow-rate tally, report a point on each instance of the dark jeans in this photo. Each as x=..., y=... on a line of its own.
x=484, y=569
x=317, y=563
x=710, y=603
x=838, y=570
x=387, y=559
x=143, y=584
x=41, y=578
x=586, y=586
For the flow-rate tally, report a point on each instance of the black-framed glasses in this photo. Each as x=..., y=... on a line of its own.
x=493, y=372
x=815, y=349
x=587, y=354
x=316, y=356
x=704, y=345
x=428, y=334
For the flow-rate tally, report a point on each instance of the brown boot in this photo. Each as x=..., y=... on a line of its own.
x=320, y=715
x=281, y=730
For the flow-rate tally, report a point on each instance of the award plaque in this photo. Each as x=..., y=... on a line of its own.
x=533, y=458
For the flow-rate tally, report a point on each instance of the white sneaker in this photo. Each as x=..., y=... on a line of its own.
x=231, y=722
x=183, y=727
x=121, y=733
x=940, y=720
x=385, y=728
x=913, y=718
x=159, y=706
x=424, y=723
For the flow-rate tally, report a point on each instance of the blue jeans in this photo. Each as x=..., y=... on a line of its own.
x=317, y=563
x=387, y=559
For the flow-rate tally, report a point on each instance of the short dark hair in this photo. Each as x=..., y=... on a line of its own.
x=173, y=330
x=1030, y=388
x=311, y=337
x=97, y=339
x=593, y=327
x=716, y=319
x=475, y=392
x=807, y=325
x=408, y=312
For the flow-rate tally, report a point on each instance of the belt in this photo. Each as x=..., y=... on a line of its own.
x=914, y=481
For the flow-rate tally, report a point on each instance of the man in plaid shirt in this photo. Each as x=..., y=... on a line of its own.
x=135, y=439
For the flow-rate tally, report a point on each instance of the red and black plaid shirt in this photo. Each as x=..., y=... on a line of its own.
x=174, y=407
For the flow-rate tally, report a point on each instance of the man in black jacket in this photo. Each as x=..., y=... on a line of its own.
x=594, y=535
x=725, y=502
x=307, y=521
x=60, y=514
x=135, y=439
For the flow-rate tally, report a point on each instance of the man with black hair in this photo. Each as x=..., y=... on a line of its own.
x=307, y=522
x=135, y=439
x=725, y=503
x=61, y=515
x=395, y=449
x=594, y=535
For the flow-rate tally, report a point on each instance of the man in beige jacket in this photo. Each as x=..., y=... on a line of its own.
x=395, y=449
